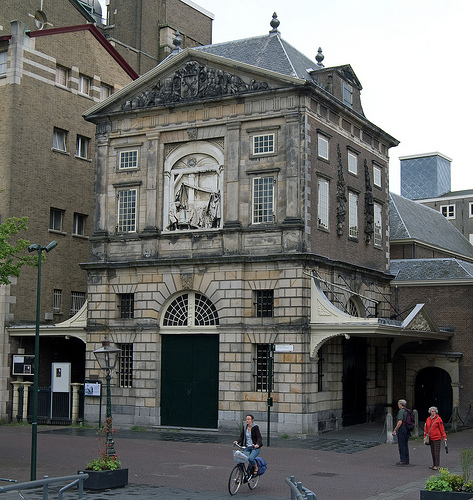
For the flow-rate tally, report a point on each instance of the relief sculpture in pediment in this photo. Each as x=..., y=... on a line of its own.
x=192, y=81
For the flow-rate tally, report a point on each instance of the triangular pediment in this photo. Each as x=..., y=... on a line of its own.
x=191, y=76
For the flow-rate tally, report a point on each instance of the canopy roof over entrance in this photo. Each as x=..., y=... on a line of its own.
x=72, y=327
x=327, y=321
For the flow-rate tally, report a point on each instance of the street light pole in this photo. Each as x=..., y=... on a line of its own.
x=107, y=357
x=34, y=422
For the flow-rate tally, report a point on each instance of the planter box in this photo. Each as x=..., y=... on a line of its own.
x=444, y=495
x=105, y=479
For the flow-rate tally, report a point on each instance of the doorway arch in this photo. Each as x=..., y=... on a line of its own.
x=433, y=387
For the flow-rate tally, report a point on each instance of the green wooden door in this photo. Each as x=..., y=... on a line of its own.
x=189, y=381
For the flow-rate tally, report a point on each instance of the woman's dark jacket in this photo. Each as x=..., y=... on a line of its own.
x=255, y=436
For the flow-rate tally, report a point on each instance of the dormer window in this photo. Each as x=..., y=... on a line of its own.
x=347, y=94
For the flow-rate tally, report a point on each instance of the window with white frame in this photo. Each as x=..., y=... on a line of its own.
x=84, y=85
x=263, y=200
x=125, y=365
x=322, y=147
x=376, y=176
x=378, y=225
x=105, y=91
x=79, y=224
x=3, y=62
x=62, y=76
x=448, y=211
x=127, y=210
x=57, y=300
x=263, y=144
x=471, y=209
x=128, y=159
x=352, y=163
x=59, y=139
x=82, y=147
x=56, y=219
x=347, y=94
x=322, y=204
x=353, y=215
x=77, y=301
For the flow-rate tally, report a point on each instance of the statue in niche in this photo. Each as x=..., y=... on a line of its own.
x=195, y=194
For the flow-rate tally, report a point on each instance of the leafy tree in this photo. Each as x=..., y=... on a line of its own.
x=10, y=262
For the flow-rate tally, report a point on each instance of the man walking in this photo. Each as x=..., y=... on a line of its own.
x=402, y=433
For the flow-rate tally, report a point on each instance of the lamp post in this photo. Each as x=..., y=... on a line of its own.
x=107, y=357
x=34, y=422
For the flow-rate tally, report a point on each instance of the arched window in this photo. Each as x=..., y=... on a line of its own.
x=191, y=309
x=353, y=308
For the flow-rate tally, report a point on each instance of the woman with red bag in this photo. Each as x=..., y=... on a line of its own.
x=434, y=431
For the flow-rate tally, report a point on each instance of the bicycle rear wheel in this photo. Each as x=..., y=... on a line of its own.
x=235, y=480
x=253, y=482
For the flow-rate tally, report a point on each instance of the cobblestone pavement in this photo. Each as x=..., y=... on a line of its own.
x=351, y=464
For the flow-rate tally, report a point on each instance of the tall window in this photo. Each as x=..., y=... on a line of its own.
x=261, y=373
x=125, y=368
x=56, y=219
x=128, y=159
x=3, y=63
x=376, y=176
x=264, y=303
x=105, y=91
x=471, y=209
x=126, y=305
x=347, y=94
x=263, y=144
x=82, y=147
x=84, y=84
x=127, y=211
x=353, y=215
x=320, y=369
x=448, y=211
x=322, y=147
x=263, y=200
x=322, y=204
x=378, y=225
x=352, y=163
x=79, y=224
x=77, y=301
x=62, y=76
x=57, y=299
x=59, y=139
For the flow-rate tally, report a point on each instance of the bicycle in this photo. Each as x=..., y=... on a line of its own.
x=241, y=474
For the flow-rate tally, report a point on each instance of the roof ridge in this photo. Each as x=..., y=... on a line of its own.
x=287, y=56
x=399, y=215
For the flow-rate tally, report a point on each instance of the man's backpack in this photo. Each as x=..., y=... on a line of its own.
x=410, y=421
x=262, y=465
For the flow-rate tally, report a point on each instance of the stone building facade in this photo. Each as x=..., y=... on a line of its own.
x=240, y=252
x=47, y=171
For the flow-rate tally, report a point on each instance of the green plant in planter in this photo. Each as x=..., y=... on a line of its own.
x=469, y=487
x=439, y=483
x=105, y=461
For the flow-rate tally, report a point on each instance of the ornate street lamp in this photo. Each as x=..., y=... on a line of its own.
x=107, y=357
x=34, y=422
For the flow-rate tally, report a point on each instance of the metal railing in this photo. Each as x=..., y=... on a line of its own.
x=298, y=492
x=77, y=480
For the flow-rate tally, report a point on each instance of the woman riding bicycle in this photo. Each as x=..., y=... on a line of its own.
x=250, y=437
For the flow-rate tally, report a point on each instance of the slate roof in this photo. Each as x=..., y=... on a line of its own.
x=430, y=269
x=411, y=220
x=268, y=52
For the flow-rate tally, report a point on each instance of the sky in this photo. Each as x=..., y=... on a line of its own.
x=409, y=55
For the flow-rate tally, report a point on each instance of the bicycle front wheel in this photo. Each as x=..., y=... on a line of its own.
x=253, y=482
x=235, y=480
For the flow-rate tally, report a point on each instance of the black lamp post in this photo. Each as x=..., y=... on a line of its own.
x=107, y=357
x=34, y=422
